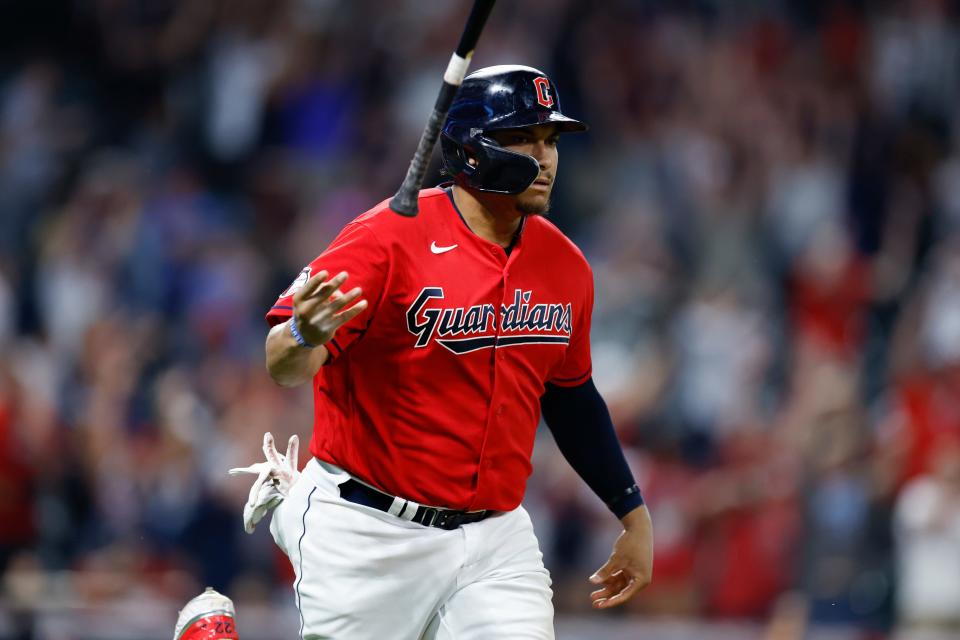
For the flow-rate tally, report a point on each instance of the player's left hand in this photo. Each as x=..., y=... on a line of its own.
x=275, y=476
x=630, y=567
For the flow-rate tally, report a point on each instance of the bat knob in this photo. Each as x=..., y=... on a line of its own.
x=403, y=205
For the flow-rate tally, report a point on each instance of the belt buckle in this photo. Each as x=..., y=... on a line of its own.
x=429, y=516
x=447, y=520
x=442, y=518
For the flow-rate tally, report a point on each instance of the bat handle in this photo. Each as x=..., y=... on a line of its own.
x=404, y=201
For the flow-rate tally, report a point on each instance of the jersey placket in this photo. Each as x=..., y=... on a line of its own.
x=495, y=410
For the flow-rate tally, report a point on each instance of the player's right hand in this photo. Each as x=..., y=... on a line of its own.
x=320, y=308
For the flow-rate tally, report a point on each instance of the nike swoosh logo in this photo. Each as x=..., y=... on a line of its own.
x=438, y=250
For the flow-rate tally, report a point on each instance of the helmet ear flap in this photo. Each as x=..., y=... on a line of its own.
x=507, y=171
x=486, y=166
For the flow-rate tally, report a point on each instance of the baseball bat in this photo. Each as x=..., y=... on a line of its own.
x=404, y=201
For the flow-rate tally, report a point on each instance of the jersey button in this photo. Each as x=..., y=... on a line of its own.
x=500, y=410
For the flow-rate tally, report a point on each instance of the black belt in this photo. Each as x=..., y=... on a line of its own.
x=359, y=493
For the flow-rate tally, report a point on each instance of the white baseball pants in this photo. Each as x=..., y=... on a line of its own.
x=364, y=574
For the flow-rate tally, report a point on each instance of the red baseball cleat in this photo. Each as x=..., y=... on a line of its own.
x=209, y=616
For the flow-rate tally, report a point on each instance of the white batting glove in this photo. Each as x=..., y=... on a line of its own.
x=275, y=476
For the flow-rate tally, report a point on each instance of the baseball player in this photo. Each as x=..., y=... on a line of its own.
x=433, y=345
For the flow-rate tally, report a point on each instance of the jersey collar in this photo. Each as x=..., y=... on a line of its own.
x=448, y=189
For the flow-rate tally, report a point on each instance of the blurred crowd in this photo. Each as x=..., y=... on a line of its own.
x=769, y=196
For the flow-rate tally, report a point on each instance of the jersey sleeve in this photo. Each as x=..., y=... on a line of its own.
x=358, y=252
x=577, y=365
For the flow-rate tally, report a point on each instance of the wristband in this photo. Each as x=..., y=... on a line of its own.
x=295, y=332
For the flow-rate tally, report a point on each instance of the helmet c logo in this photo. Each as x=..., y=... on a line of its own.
x=542, y=85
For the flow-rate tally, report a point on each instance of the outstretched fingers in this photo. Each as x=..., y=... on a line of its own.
x=325, y=289
x=270, y=450
x=311, y=286
x=254, y=469
x=351, y=313
x=327, y=299
x=293, y=451
x=339, y=300
x=320, y=308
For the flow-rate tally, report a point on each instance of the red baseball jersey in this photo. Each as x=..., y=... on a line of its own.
x=433, y=393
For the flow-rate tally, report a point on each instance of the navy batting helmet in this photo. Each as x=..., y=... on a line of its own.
x=502, y=97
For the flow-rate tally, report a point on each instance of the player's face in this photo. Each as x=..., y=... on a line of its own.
x=540, y=142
